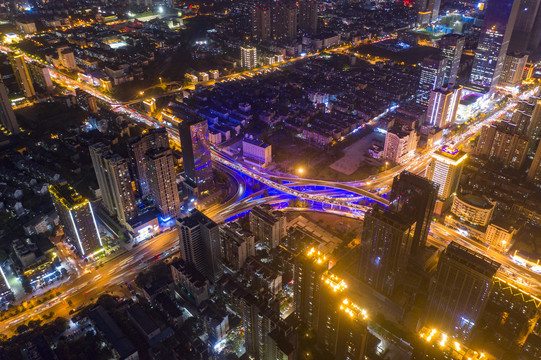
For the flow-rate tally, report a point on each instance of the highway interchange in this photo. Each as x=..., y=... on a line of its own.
x=90, y=282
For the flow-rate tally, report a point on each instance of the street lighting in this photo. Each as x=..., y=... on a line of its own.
x=300, y=171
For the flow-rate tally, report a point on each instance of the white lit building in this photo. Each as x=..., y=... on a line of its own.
x=445, y=169
x=443, y=105
x=476, y=210
x=499, y=237
x=399, y=144
x=257, y=151
x=248, y=57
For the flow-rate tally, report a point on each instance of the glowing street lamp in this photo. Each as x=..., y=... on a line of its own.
x=300, y=171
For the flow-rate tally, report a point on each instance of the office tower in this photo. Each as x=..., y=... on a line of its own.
x=308, y=16
x=162, y=180
x=500, y=16
x=7, y=116
x=443, y=105
x=432, y=77
x=76, y=217
x=237, y=245
x=459, y=290
x=503, y=143
x=414, y=197
x=445, y=169
x=200, y=244
x=513, y=68
x=400, y=144
x=534, y=173
x=284, y=21
x=261, y=23
x=21, y=74
x=268, y=225
x=137, y=148
x=248, y=57
x=386, y=243
x=451, y=46
x=309, y=269
x=197, y=160
x=523, y=37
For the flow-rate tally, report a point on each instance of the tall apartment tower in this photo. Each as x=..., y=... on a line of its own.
x=113, y=174
x=162, y=180
x=386, y=243
x=513, y=68
x=443, y=105
x=7, y=116
x=459, y=290
x=500, y=16
x=76, y=217
x=137, y=148
x=309, y=269
x=534, y=173
x=414, y=197
x=248, y=57
x=284, y=21
x=432, y=77
x=200, y=244
x=308, y=16
x=524, y=36
x=445, y=169
x=261, y=23
x=451, y=47
x=197, y=160
x=268, y=225
x=237, y=245
x=428, y=11
x=21, y=74
x=502, y=142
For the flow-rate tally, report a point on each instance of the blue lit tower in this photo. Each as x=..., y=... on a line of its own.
x=500, y=17
x=459, y=291
x=197, y=161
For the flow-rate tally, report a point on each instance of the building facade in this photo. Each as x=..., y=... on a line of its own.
x=432, y=77
x=162, y=180
x=22, y=75
x=7, y=116
x=445, y=169
x=451, y=47
x=268, y=225
x=443, y=105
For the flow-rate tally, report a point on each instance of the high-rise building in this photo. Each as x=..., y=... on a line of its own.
x=400, y=143
x=248, y=57
x=7, y=116
x=197, y=161
x=500, y=16
x=41, y=75
x=118, y=172
x=200, y=244
x=414, y=196
x=445, y=169
x=309, y=269
x=432, y=77
x=459, y=290
x=308, y=16
x=284, y=21
x=76, y=217
x=428, y=11
x=21, y=74
x=513, y=68
x=261, y=23
x=523, y=37
x=451, y=46
x=137, y=148
x=162, y=180
x=443, y=106
x=503, y=143
x=534, y=173
x=237, y=245
x=98, y=153
x=268, y=225
x=386, y=243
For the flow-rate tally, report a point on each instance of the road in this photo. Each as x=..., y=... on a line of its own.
x=110, y=277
